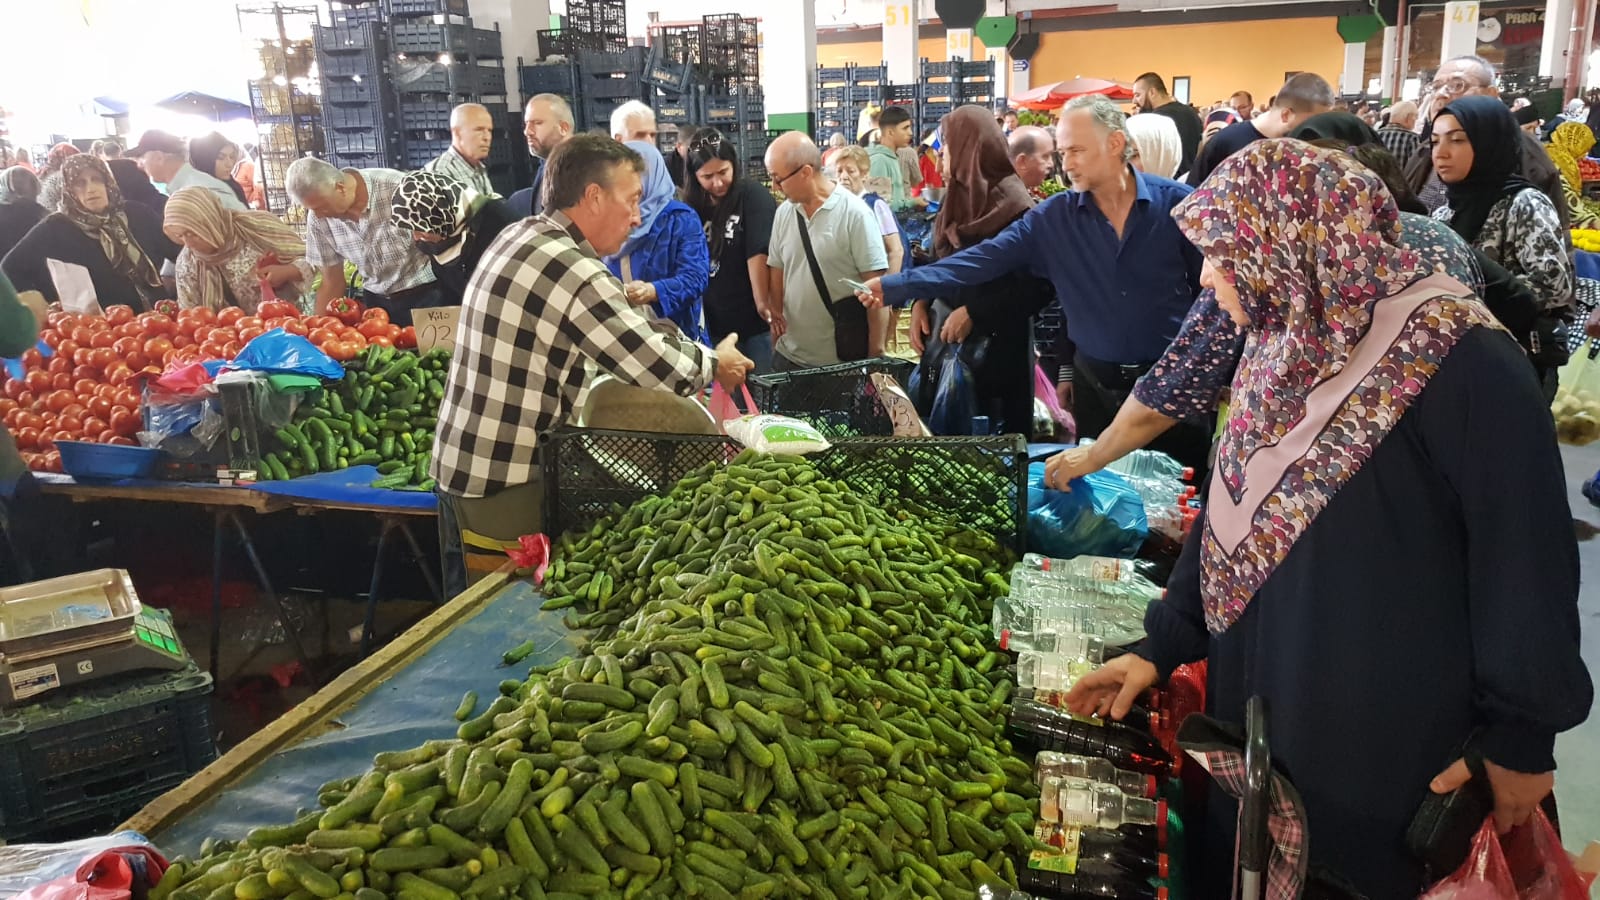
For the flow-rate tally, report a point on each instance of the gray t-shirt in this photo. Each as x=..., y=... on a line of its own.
x=848, y=241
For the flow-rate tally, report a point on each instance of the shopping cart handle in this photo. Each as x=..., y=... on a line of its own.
x=1255, y=843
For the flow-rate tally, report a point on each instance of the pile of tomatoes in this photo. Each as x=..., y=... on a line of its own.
x=88, y=389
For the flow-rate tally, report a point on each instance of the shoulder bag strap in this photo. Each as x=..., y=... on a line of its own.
x=811, y=258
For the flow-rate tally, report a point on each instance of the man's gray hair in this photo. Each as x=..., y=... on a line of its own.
x=626, y=113
x=580, y=161
x=308, y=177
x=1485, y=70
x=1108, y=116
x=558, y=107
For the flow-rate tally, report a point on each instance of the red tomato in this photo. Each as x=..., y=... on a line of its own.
x=275, y=309
x=295, y=326
x=406, y=339
x=119, y=315
x=107, y=436
x=372, y=327
x=36, y=382
x=62, y=382
x=157, y=346
x=324, y=336
x=14, y=388
x=72, y=424
x=52, y=337
x=66, y=347
x=124, y=422
x=355, y=339
x=86, y=373
x=126, y=345
x=221, y=335
x=32, y=359
x=381, y=340
x=93, y=425
x=229, y=315
x=61, y=320
x=128, y=330
x=85, y=387
x=27, y=438
x=103, y=357
x=100, y=408
x=62, y=434
x=29, y=419
x=202, y=314
x=83, y=356
x=119, y=373
x=156, y=323
x=106, y=391
x=231, y=349
x=12, y=417
x=211, y=350
x=7, y=406
x=246, y=335
x=136, y=360
x=123, y=441
x=181, y=340
x=316, y=322
x=250, y=322
x=104, y=339
x=52, y=462
x=341, y=351
x=375, y=314
x=83, y=335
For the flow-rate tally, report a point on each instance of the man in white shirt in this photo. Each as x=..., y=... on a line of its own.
x=165, y=159
x=471, y=134
x=813, y=322
x=348, y=218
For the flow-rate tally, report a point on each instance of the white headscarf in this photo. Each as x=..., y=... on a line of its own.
x=1160, y=147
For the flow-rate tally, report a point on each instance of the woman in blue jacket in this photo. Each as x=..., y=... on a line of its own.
x=665, y=262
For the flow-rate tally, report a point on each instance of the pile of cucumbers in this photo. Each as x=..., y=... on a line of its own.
x=788, y=691
x=382, y=413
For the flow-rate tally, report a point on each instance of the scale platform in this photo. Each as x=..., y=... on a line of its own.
x=75, y=629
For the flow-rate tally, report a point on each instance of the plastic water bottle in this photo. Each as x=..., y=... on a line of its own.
x=1051, y=764
x=1096, y=572
x=1050, y=675
x=1090, y=804
x=1117, y=623
x=1149, y=464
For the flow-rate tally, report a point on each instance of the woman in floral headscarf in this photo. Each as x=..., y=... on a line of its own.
x=227, y=254
x=50, y=176
x=1570, y=142
x=118, y=242
x=1368, y=400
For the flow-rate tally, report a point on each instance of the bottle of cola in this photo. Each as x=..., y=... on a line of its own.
x=1034, y=727
x=1061, y=886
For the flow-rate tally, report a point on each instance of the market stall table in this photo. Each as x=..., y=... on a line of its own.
x=400, y=696
x=347, y=490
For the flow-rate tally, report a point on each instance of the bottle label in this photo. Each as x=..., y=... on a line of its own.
x=1088, y=720
x=1106, y=570
x=1062, y=855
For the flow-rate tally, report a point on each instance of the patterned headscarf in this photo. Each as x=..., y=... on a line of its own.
x=1569, y=143
x=109, y=227
x=257, y=233
x=56, y=158
x=1311, y=241
x=435, y=204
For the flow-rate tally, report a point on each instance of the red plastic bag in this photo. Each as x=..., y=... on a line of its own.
x=107, y=875
x=532, y=552
x=1527, y=864
x=723, y=407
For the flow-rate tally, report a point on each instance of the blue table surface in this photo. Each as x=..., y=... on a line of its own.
x=349, y=486
x=414, y=705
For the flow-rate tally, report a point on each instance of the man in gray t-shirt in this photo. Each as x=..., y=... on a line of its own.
x=848, y=245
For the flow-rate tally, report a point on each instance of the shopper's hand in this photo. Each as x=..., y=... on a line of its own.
x=278, y=275
x=1516, y=794
x=1591, y=327
x=640, y=293
x=1067, y=465
x=732, y=366
x=1064, y=395
x=872, y=297
x=921, y=326
x=777, y=323
x=957, y=326
x=1111, y=689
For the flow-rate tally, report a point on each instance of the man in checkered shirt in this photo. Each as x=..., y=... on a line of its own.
x=541, y=319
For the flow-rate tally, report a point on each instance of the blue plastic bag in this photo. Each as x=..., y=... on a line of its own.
x=1101, y=516
x=944, y=390
x=280, y=351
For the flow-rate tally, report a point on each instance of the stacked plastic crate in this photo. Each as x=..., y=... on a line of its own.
x=440, y=62
x=358, y=113
x=949, y=84
x=606, y=80
x=591, y=26
x=841, y=93
x=285, y=101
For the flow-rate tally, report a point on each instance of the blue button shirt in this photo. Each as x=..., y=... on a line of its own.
x=1123, y=298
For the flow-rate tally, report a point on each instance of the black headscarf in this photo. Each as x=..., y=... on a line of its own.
x=1339, y=126
x=1496, y=162
x=203, y=154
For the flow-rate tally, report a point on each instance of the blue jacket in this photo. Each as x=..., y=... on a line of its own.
x=674, y=257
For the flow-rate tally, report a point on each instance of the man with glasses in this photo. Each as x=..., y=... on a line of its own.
x=1461, y=77
x=822, y=239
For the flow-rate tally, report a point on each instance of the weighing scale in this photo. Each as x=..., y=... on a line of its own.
x=75, y=629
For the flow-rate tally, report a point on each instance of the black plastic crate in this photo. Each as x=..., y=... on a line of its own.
x=980, y=482
x=617, y=90
x=868, y=75
x=346, y=65
x=679, y=43
x=663, y=71
x=900, y=93
x=833, y=74
x=549, y=78
x=628, y=62
x=679, y=110
x=839, y=400
x=434, y=38
x=425, y=115
x=573, y=43
x=87, y=758
x=354, y=15
x=979, y=68
x=420, y=153
x=426, y=7
x=598, y=16
x=422, y=76
x=344, y=90
x=933, y=112
x=356, y=143
x=352, y=116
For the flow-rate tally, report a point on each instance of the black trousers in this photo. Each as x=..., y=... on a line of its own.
x=1099, y=390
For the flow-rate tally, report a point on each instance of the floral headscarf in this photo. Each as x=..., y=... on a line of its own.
x=1570, y=142
x=1311, y=240
x=109, y=227
x=198, y=210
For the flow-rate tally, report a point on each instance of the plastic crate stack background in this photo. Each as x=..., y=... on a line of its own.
x=358, y=113
x=730, y=52
x=949, y=84
x=285, y=100
x=606, y=80
x=841, y=93
x=605, y=20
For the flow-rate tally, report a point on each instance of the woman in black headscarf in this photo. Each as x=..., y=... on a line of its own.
x=215, y=155
x=1492, y=206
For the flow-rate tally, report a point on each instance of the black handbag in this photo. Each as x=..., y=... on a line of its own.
x=1441, y=832
x=849, y=316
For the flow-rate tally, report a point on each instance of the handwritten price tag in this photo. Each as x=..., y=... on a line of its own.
x=436, y=327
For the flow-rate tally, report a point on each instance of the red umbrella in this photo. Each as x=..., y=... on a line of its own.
x=1054, y=96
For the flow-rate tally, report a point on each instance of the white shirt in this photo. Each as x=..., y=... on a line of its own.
x=848, y=240
x=189, y=176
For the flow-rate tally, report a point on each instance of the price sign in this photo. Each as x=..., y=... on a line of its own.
x=436, y=327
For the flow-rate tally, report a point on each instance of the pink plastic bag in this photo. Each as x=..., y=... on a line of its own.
x=723, y=407
x=1045, y=392
x=1527, y=864
x=267, y=293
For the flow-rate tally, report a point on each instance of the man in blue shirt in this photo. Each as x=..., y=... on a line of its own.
x=1124, y=275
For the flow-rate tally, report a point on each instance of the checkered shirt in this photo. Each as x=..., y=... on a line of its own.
x=454, y=166
x=386, y=257
x=1403, y=143
x=541, y=319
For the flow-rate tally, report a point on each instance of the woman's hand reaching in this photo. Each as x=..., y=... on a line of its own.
x=1111, y=690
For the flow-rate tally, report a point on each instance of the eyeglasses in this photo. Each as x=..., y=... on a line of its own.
x=778, y=182
x=1455, y=87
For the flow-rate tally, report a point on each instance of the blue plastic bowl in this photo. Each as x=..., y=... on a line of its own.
x=85, y=460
